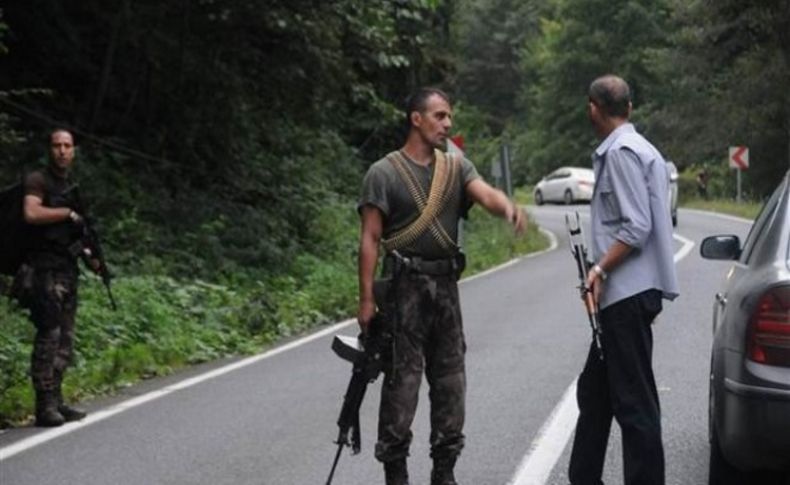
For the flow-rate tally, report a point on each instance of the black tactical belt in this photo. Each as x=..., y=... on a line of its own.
x=416, y=264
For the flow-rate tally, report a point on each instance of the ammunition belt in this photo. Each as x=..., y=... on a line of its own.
x=430, y=207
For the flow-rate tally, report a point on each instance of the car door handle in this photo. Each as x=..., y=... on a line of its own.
x=721, y=299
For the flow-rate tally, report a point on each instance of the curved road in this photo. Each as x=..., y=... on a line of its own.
x=270, y=419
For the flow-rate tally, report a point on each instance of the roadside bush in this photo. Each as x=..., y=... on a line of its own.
x=164, y=323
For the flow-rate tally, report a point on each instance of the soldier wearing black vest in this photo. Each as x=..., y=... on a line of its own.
x=411, y=203
x=54, y=228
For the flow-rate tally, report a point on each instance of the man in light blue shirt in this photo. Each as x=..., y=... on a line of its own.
x=634, y=270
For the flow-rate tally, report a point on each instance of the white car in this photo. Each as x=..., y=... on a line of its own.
x=566, y=185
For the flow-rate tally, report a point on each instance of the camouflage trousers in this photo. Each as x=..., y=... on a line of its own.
x=52, y=309
x=428, y=338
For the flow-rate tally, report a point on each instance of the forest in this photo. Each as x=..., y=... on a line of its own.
x=222, y=142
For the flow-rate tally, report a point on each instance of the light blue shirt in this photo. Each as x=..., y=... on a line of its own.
x=630, y=205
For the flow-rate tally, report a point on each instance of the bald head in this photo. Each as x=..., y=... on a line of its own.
x=611, y=95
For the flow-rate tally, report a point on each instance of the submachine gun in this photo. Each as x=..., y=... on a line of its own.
x=579, y=252
x=89, y=244
x=367, y=353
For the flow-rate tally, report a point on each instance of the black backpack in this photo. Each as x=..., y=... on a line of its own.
x=13, y=230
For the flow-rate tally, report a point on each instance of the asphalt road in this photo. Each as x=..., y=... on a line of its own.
x=271, y=419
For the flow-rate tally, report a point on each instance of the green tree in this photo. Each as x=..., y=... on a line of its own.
x=491, y=36
x=581, y=40
x=716, y=98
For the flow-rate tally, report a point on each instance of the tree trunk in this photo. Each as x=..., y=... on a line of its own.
x=109, y=58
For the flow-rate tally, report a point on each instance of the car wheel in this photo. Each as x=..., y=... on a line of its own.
x=568, y=198
x=539, y=198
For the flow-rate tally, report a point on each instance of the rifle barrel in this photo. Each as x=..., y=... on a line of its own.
x=334, y=464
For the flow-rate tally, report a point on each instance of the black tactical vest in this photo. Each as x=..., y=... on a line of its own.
x=49, y=244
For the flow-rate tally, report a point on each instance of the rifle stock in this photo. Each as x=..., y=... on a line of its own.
x=366, y=353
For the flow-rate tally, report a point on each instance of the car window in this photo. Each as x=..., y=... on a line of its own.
x=766, y=214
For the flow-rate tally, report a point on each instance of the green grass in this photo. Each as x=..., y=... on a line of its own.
x=525, y=195
x=489, y=241
x=747, y=210
x=164, y=324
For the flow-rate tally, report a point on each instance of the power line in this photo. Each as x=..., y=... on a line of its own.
x=77, y=131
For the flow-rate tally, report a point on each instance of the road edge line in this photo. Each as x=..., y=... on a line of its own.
x=548, y=445
x=102, y=414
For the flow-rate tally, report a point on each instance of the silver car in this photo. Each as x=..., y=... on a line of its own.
x=566, y=185
x=672, y=171
x=749, y=409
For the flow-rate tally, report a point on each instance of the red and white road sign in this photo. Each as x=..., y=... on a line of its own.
x=739, y=157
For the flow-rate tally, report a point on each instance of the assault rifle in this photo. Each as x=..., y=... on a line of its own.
x=579, y=252
x=90, y=244
x=367, y=353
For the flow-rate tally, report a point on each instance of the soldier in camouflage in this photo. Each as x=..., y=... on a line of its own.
x=52, y=255
x=423, y=268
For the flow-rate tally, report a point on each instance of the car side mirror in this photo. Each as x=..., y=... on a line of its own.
x=726, y=247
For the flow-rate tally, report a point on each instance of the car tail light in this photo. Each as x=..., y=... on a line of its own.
x=585, y=183
x=769, y=329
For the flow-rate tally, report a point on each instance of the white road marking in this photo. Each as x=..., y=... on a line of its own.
x=685, y=249
x=552, y=246
x=95, y=417
x=548, y=445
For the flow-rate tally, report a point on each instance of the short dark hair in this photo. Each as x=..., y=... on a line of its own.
x=612, y=94
x=59, y=129
x=418, y=101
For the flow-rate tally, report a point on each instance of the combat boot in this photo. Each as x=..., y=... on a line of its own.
x=47, y=414
x=69, y=413
x=442, y=473
x=395, y=472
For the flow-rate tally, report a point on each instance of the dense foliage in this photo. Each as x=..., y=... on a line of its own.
x=222, y=143
x=163, y=323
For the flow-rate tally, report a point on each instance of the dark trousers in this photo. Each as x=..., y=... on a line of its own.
x=621, y=386
x=429, y=338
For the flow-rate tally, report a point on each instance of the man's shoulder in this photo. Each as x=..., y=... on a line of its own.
x=630, y=140
x=636, y=143
x=35, y=182
x=382, y=164
x=382, y=168
x=35, y=175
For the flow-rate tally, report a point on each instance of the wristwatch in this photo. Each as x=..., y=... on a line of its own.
x=599, y=271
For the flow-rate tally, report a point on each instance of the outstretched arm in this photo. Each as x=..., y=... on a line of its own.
x=496, y=202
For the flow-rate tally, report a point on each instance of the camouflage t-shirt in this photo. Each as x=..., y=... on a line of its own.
x=384, y=188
